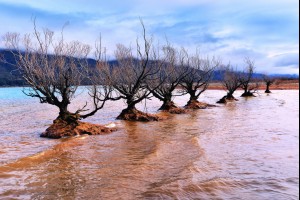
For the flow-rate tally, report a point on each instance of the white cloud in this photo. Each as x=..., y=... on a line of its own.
x=229, y=28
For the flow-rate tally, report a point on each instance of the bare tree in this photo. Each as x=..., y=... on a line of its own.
x=131, y=75
x=268, y=80
x=247, y=81
x=53, y=68
x=170, y=76
x=99, y=76
x=200, y=72
x=231, y=81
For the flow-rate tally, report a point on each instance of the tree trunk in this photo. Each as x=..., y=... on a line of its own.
x=193, y=102
x=192, y=99
x=67, y=124
x=247, y=94
x=246, y=89
x=67, y=116
x=192, y=94
x=228, y=97
x=132, y=114
x=268, y=88
x=167, y=105
x=63, y=112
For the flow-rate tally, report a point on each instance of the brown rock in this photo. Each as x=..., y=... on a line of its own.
x=170, y=107
x=61, y=128
x=136, y=115
x=198, y=105
x=226, y=99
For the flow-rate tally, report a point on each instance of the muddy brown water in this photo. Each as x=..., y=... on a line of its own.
x=243, y=150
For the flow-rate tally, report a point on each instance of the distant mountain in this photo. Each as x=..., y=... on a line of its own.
x=285, y=76
x=9, y=75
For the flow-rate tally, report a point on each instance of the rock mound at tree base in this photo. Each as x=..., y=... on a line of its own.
x=198, y=105
x=176, y=110
x=136, y=115
x=248, y=94
x=61, y=128
x=172, y=108
x=226, y=99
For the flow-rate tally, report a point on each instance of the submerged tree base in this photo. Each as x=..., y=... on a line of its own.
x=248, y=94
x=170, y=107
x=194, y=104
x=136, y=115
x=226, y=99
x=175, y=110
x=268, y=91
x=61, y=128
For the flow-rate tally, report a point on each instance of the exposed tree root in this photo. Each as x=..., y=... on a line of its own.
x=61, y=128
x=136, y=115
x=194, y=104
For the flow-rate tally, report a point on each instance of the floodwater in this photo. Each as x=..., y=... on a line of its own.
x=248, y=149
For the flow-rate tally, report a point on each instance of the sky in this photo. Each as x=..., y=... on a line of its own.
x=266, y=31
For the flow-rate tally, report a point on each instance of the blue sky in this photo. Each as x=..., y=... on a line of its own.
x=267, y=31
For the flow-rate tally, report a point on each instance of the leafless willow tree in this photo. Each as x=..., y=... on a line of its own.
x=268, y=80
x=231, y=82
x=247, y=81
x=53, y=68
x=169, y=77
x=100, y=79
x=131, y=74
x=200, y=72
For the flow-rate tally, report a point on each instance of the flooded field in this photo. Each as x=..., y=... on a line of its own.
x=248, y=149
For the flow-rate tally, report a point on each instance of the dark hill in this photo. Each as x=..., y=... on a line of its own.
x=9, y=75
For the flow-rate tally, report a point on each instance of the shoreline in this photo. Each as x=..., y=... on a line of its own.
x=282, y=85
x=279, y=85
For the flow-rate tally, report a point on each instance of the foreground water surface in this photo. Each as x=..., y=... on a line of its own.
x=243, y=150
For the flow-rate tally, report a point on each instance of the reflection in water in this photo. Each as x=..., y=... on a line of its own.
x=243, y=150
